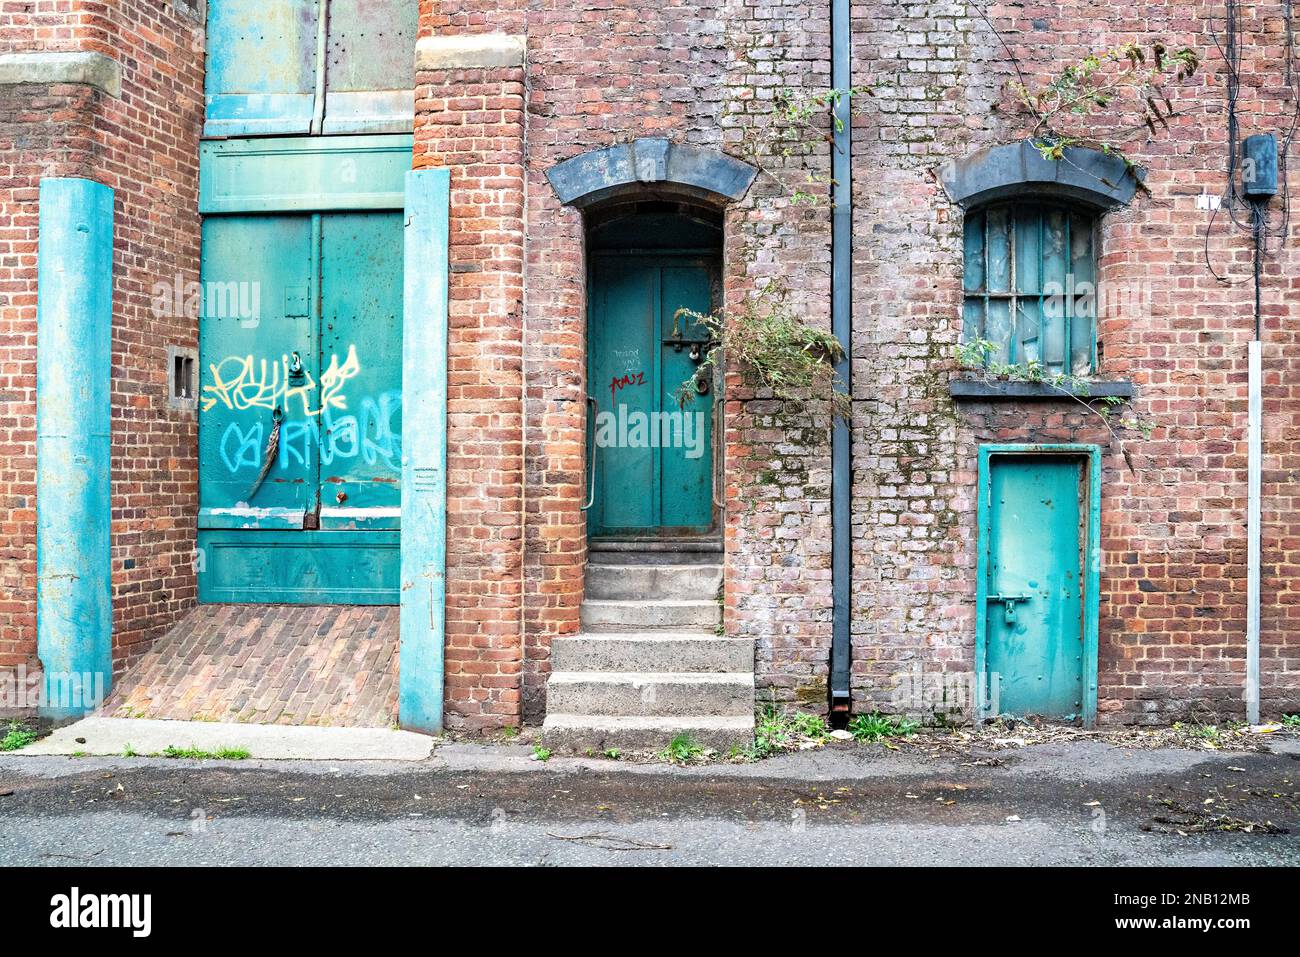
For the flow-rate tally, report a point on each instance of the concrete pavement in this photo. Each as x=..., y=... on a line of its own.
x=1074, y=803
x=150, y=736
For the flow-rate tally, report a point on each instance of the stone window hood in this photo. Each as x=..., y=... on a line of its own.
x=1101, y=181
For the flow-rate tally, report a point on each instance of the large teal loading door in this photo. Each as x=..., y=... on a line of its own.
x=1037, y=597
x=300, y=407
x=653, y=458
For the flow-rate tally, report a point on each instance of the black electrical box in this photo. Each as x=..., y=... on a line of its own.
x=1259, y=166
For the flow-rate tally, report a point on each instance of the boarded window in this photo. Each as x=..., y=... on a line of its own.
x=1030, y=285
x=310, y=66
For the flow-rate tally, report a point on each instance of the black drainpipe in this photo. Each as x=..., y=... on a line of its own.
x=842, y=327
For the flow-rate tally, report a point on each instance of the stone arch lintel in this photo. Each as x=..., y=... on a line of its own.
x=1101, y=180
x=650, y=163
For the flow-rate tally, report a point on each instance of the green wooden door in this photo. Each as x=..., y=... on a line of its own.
x=300, y=408
x=1034, y=588
x=653, y=459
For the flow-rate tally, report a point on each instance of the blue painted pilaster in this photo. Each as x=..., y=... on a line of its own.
x=424, y=451
x=74, y=326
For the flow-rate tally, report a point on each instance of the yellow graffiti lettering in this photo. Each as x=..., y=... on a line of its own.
x=244, y=382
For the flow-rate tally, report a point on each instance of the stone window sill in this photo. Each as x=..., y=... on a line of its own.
x=981, y=390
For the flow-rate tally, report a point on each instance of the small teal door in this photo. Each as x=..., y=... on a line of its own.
x=1034, y=590
x=652, y=458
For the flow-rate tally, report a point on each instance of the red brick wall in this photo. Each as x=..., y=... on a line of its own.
x=1173, y=582
x=471, y=121
x=145, y=146
x=1172, y=612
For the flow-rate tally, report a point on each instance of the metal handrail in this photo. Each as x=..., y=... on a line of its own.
x=718, y=445
x=591, y=483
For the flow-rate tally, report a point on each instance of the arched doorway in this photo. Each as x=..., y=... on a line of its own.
x=651, y=450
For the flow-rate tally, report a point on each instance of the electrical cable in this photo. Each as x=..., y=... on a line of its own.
x=1233, y=201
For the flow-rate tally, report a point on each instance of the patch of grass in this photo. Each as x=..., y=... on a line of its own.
x=17, y=736
x=221, y=754
x=613, y=753
x=779, y=730
x=509, y=732
x=683, y=749
x=880, y=727
x=1210, y=734
x=130, y=752
x=540, y=753
x=1291, y=721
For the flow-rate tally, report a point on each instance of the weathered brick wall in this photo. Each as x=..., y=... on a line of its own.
x=144, y=145
x=704, y=74
x=471, y=121
x=1173, y=583
x=1172, y=615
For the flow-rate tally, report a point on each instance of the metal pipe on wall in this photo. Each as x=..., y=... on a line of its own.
x=1255, y=444
x=842, y=327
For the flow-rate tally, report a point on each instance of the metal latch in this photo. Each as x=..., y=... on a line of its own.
x=1009, y=603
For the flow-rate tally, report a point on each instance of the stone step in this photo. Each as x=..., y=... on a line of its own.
x=581, y=732
x=655, y=551
x=605, y=615
x=670, y=582
x=662, y=651
x=680, y=694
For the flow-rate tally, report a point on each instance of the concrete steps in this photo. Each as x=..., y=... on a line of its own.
x=650, y=663
x=650, y=693
x=617, y=582
x=569, y=732
x=628, y=615
x=652, y=651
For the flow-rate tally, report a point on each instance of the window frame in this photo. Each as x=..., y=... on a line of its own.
x=977, y=298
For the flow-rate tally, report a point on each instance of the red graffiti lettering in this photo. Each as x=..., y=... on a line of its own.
x=620, y=382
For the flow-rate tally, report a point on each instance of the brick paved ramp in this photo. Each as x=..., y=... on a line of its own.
x=269, y=664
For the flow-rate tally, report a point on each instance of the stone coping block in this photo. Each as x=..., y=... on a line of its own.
x=91, y=68
x=470, y=51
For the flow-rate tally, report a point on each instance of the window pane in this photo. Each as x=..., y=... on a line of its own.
x=973, y=276
x=1029, y=250
x=998, y=329
x=1027, y=329
x=972, y=319
x=1029, y=282
x=1083, y=334
x=998, y=261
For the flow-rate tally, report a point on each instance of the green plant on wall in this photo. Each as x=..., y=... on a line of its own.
x=774, y=347
x=1123, y=91
x=800, y=122
x=976, y=358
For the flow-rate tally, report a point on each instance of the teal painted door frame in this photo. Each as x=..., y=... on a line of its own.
x=656, y=480
x=424, y=451
x=1089, y=458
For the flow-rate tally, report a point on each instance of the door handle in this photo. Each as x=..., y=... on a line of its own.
x=1009, y=603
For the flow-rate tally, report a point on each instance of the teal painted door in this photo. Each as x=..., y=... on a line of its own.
x=1034, y=589
x=653, y=459
x=300, y=417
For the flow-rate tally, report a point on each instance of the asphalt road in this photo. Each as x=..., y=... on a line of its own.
x=1081, y=803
